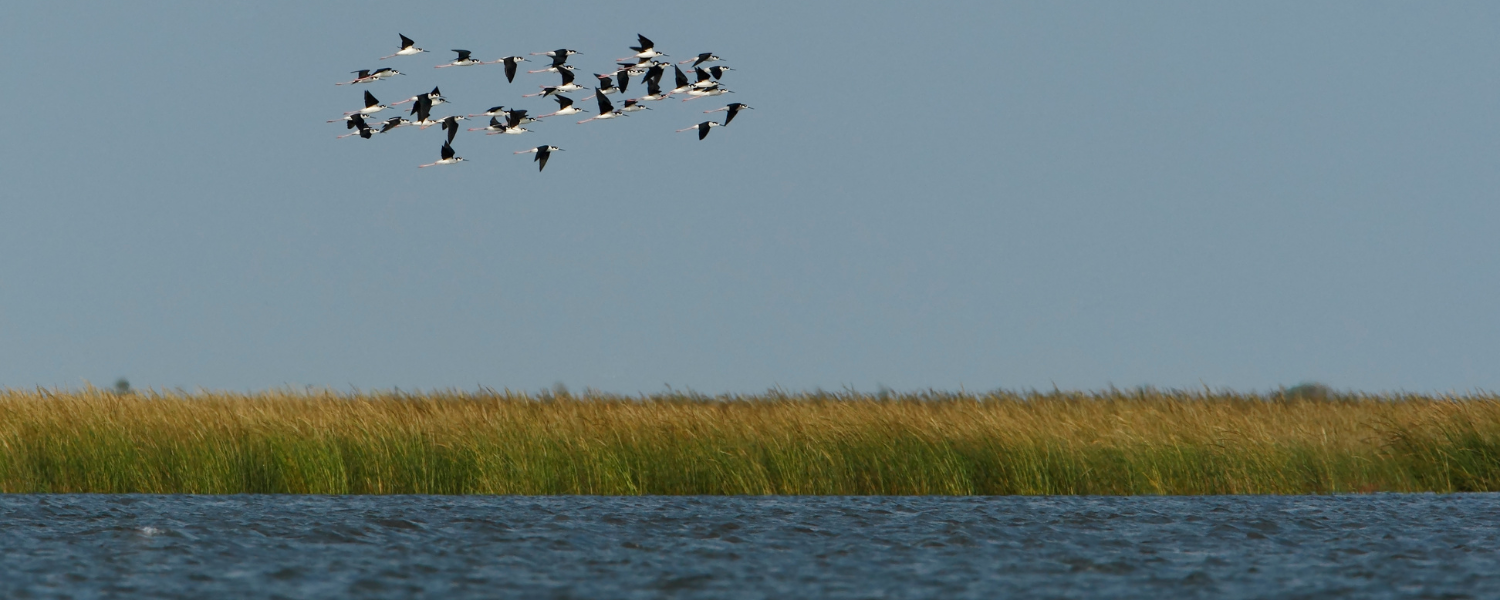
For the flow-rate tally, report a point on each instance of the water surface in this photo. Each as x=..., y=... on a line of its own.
x=1378, y=546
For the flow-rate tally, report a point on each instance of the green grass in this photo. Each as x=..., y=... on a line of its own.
x=1116, y=442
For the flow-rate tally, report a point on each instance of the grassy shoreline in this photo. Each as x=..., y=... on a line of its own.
x=1114, y=442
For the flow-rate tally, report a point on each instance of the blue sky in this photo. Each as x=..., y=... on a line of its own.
x=928, y=195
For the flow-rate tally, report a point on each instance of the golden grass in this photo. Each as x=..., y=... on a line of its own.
x=1116, y=442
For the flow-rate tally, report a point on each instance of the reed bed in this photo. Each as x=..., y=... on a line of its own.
x=449, y=442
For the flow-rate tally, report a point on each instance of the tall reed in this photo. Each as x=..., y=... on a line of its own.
x=1115, y=442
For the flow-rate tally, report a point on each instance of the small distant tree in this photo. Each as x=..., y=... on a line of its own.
x=122, y=386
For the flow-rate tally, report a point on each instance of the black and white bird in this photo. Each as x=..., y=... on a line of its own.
x=423, y=110
x=385, y=72
x=565, y=107
x=448, y=158
x=607, y=85
x=654, y=74
x=562, y=53
x=436, y=96
x=567, y=85
x=713, y=90
x=372, y=106
x=463, y=60
x=493, y=112
x=702, y=128
x=408, y=48
x=450, y=125
x=559, y=63
x=706, y=57
x=510, y=66
x=647, y=49
x=653, y=92
x=360, y=76
x=734, y=108
x=704, y=79
x=495, y=126
x=683, y=85
x=357, y=122
x=606, y=110
x=542, y=153
x=637, y=68
x=393, y=123
x=633, y=105
x=718, y=72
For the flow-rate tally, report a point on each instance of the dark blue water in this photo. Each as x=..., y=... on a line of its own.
x=1382, y=546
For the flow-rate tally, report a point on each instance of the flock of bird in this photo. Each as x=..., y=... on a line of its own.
x=509, y=121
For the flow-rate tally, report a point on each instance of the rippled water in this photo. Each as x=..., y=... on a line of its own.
x=749, y=547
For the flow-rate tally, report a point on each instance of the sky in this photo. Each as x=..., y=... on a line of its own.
x=943, y=195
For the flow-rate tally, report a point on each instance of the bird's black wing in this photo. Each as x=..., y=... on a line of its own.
x=682, y=79
x=654, y=74
x=717, y=72
x=624, y=78
x=354, y=121
x=703, y=129
x=646, y=44
x=494, y=122
x=567, y=76
x=515, y=117
x=702, y=57
x=362, y=73
x=406, y=42
x=702, y=75
x=563, y=102
x=541, y=157
x=424, y=108
x=559, y=59
x=370, y=99
x=434, y=93
x=734, y=109
x=652, y=87
x=510, y=69
x=451, y=124
x=365, y=132
x=447, y=151
x=604, y=105
x=462, y=55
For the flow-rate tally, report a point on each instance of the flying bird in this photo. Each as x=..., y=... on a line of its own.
x=361, y=76
x=713, y=90
x=606, y=85
x=647, y=49
x=448, y=158
x=408, y=48
x=542, y=153
x=565, y=107
x=423, y=110
x=683, y=85
x=450, y=125
x=567, y=85
x=653, y=92
x=463, y=60
x=633, y=105
x=718, y=72
x=734, y=108
x=372, y=106
x=357, y=121
x=510, y=66
x=393, y=123
x=435, y=95
x=701, y=58
x=702, y=128
x=559, y=62
x=606, y=110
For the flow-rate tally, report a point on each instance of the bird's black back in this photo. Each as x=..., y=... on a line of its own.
x=542, y=154
x=462, y=54
x=447, y=151
x=406, y=42
x=702, y=75
x=604, y=105
x=563, y=102
x=624, y=77
x=703, y=129
x=370, y=99
x=682, y=79
x=510, y=70
x=423, y=108
x=567, y=76
x=645, y=43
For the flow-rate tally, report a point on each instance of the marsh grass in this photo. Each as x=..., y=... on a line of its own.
x=1117, y=442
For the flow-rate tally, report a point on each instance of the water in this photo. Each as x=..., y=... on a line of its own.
x=1382, y=546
